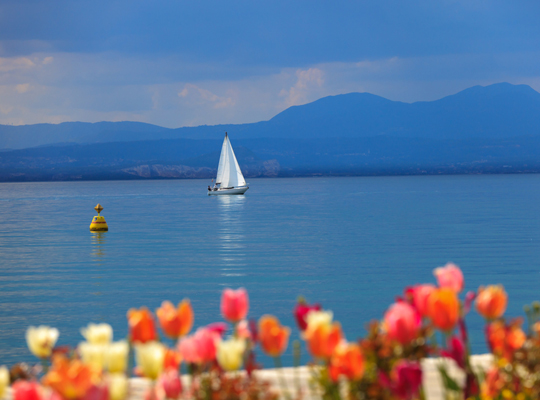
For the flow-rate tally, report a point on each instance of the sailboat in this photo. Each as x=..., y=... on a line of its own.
x=229, y=178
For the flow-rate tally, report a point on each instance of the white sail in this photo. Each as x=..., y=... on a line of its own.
x=229, y=173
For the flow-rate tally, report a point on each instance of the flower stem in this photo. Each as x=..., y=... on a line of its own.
x=282, y=381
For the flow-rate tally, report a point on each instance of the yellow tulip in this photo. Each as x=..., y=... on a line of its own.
x=116, y=356
x=98, y=333
x=150, y=357
x=4, y=380
x=118, y=386
x=41, y=340
x=92, y=354
x=230, y=353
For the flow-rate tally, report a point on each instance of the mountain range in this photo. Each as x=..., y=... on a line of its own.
x=491, y=129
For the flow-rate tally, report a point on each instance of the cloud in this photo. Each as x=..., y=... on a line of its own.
x=196, y=93
x=306, y=80
x=22, y=88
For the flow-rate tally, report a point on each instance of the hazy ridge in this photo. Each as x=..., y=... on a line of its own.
x=491, y=129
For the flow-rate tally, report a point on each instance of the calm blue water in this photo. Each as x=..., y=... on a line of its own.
x=350, y=243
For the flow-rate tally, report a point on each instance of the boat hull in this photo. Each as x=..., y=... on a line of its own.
x=236, y=190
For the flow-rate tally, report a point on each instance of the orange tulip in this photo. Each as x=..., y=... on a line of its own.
x=172, y=359
x=504, y=340
x=347, y=360
x=273, y=336
x=443, y=308
x=175, y=322
x=324, y=339
x=141, y=325
x=71, y=379
x=491, y=301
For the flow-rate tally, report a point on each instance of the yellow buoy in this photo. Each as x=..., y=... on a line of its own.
x=98, y=223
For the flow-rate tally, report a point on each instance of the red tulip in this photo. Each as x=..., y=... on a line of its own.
x=491, y=301
x=234, y=304
x=141, y=325
x=450, y=276
x=171, y=360
x=300, y=313
x=26, y=390
x=402, y=322
x=456, y=351
x=272, y=335
x=404, y=380
x=175, y=322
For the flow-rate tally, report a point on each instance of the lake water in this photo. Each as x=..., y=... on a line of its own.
x=352, y=244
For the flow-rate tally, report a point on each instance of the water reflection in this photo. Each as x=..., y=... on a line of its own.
x=98, y=245
x=231, y=235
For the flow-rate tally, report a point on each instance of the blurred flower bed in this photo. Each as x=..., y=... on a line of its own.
x=425, y=321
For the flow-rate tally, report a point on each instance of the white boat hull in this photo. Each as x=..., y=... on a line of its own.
x=236, y=190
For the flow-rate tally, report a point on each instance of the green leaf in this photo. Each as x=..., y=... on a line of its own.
x=448, y=382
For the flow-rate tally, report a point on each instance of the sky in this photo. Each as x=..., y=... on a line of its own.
x=180, y=63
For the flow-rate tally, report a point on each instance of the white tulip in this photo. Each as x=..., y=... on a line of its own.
x=93, y=354
x=230, y=353
x=116, y=356
x=149, y=357
x=98, y=333
x=118, y=386
x=41, y=340
x=4, y=380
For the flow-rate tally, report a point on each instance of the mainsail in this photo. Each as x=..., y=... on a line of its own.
x=229, y=174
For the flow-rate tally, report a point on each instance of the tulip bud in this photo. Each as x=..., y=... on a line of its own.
x=402, y=323
x=175, y=322
x=301, y=311
x=26, y=390
x=347, y=360
x=92, y=354
x=41, y=340
x=149, y=357
x=234, y=304
x=141, y=325
x=116, y=356
x=118, y=386
x=450, y=276
x=324, y=339
x=443, y=308
x=273, y=336
x=230, y=353
x=491, y=301
x=4, y=380
x=98, y=333
x=170, y=384
x=314, y=319
x=420, y=295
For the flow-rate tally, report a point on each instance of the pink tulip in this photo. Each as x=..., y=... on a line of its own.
x=200, y=347
x=234, y=304
x=218, y=327
x=404, y=380
x=170, y=384
x=449, y=276
x=420, y=294
x=243, y=331
x=402, y=322
x=97, y=393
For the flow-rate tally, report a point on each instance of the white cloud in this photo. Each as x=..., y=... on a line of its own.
x=82, y=87
x=306, y=80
